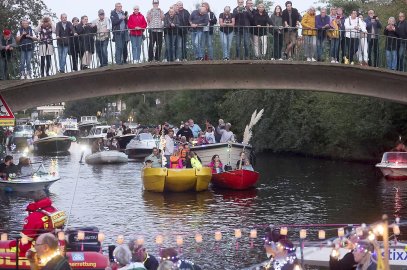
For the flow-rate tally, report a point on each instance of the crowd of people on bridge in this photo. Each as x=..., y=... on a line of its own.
x=352, y=38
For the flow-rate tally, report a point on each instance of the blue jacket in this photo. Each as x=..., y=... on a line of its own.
x=377, y=26
x=114, y=17
x=320, y=23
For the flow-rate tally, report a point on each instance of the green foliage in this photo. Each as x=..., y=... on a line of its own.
x=268, y=4
x=12, y=11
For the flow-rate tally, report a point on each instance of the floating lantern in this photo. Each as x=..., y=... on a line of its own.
x=321, y=234
x=303, y=234
x=341, y=232
x=4, y=237
x=61, y=236
x=238, y=233
x=198, y=238
x=283, y=231
x=218, y=236
x=159, y=239
x=396, y=229
x=140, y=241
x=253, y=233
x=24, y=240
x=179, y=240
x=81, y=235
x=120, y=239
x=101, y=237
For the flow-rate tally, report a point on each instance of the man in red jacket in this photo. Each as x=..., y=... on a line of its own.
x=42, y=218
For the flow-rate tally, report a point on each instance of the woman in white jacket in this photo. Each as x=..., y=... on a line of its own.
x=353, y=27
x=363, y=56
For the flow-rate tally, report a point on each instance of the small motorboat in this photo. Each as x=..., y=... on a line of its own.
x=176, y=180
x=29, y=183
x=124, y=140
x=141, y=146
x=21, y=135
x=97, y=132
x=52, y=145
x=86, y=124
x=236, y=179
x=394, y=165
x=107, y=157
x=70, y=127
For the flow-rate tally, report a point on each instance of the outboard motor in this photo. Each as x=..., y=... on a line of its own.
x=89, y=243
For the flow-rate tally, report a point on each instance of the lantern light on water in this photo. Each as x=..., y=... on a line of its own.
x=159, y=239
x=303, y=234
x=140, y=241
x=396, y=229
x=4, y=237
x=24, y=240
x=61, y=236
x=341, y=232
x=283, y=231
x=179, y=240
x=321, y=234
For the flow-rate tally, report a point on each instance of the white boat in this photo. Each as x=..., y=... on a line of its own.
x=70, y=127
x=29, y=183
x=21, y=135
x=107, y=157
x=52, y=145
x=141, y=146
x=96, y=132
x=319, y=256
x=86, y=124
x=394, y=165
x=229, y=153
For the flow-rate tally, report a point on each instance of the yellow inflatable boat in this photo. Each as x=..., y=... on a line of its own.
x=176, y=180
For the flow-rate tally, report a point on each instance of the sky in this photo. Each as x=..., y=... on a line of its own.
x=77, y=8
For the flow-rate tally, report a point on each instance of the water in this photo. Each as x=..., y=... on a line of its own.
x=292, y=190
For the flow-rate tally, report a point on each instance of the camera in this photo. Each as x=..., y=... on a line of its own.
x=374, y=17
x=338, y=17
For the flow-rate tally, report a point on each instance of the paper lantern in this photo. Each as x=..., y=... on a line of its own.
x=396, y=229
x=81, y=235
x=140, y=241
x=341, y=232
x=61, y=236
x=24, y=240
x=238, y=233
x=321, y=234
x=283, y=231
x=159, y=239
x=334, y=253
x=198, y=238
x=179, y=240
x=4, y=237
x=253, y=233
x=101, y=237
x=218, y=236
x=359, y=231
x=303, y=234
x=297, y=267
x=379, y=229
x=371, y=236
x=120, y=239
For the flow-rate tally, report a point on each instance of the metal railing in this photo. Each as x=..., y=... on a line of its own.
x=191, y=44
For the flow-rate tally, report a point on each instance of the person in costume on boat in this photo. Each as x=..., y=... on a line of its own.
x=279, y=250
x=215, y=164
x=42, y=217
x=170, y=254
x=155, y=157
x=140, y=254
x=47, y=254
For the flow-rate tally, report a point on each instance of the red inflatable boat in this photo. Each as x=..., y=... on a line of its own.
x=237, y=179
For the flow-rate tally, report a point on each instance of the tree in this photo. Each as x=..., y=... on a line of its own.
x=267, y=4
x=12, y=11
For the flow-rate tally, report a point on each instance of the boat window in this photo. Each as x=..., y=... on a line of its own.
x=400, y=157
x=145, y=136
x=22, y=128
x=104, y=130
x=98, y=131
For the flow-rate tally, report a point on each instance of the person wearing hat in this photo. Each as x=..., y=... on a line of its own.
x=155, y=18
x=63, y=31
x=7, y=44
x=25, y=37
x=104, y=26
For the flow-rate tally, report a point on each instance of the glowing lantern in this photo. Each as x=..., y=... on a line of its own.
x=334, y=253
x=238, y=233
x=359, y=231
x=379, y=229
x=297, y=267
x=303, y=234
x=283, y=231
x=179, y=240
x=61, y=236
x=321, y=234
x=341, y=232
x=371, y=236
x=120, y=239
x=198, y=238
x=253, y=233
x=218, y=236
x=81, y=235
x=4, y=237
x=101, y=237
x=159, y=239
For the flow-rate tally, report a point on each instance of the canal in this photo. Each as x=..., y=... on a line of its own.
x=292, y=190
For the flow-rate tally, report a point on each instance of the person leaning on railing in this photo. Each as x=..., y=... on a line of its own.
x=74, y=49
x=183, y=16
x=25, y=38
x=64, y=30
x=104, y=26
x=291, y=21
x=46, y=47
x=309, y=33
x=322, y=22
x=401, y=30
x=261, y=20
x=86, y=33
x=171, y=24
x=276, y=21
x=199, y=18
x=227, y=23
x=207, y=38
x=391, y=44
x=118, y=19
x=353, y=27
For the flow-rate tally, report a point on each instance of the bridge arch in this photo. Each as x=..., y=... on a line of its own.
x=156, y=77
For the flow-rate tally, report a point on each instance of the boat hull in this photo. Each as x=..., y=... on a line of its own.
x=107, y=157
x=393, y=172
x=52, y=145
x=228, y=153
x=237, y=179
x=176, y=180
x=124, y=140
x=28, y=184
x=138, y=153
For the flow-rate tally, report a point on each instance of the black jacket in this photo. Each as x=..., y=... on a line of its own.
x=87, y=38
x=391, y=40
x=346, y=263
x=64, y=34
x=295, y=17
x=401, y=29
x=262, y=20
x=212, y=21
x=168, y=29
x=74, y=43
x=243, y=17
x=183, y=18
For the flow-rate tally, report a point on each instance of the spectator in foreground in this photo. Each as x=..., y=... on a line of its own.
x=170, y=254
x=139, y=254
x=122, y=255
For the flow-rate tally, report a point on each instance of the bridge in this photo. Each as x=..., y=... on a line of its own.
x=213, y=75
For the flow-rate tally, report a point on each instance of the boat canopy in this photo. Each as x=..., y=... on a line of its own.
x=145, y=137
x=395, y=157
